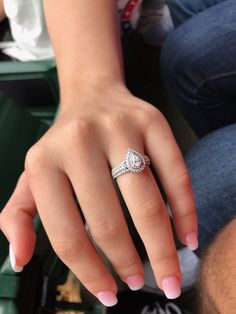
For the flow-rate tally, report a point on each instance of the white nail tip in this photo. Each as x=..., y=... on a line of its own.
x=15, y=267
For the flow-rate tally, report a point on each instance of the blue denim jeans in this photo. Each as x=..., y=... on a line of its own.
x=212, y=166
x=198, y=62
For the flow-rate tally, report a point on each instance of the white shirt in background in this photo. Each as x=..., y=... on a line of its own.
x=29, y=30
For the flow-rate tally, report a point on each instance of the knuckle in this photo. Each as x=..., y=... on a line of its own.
x=182, y=182
x=15, y=209
x=184, y=179
x=106, y=232
x=149, y=210
x=35, y=158
x=4, y=215
x=68, y=249
x=153, y=117
x=127, y=265
x=78, y=132
x=151, y=114
x=90, y=279
x=187, y=214
x=166, y=259
x=116, y=121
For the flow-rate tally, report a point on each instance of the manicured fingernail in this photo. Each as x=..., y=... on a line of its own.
x=108, y=298
x=15, y=267
x=135, y=282
x=192, y=241
x=171, y=287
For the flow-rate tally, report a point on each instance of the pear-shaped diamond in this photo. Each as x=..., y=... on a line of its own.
x=134, y=161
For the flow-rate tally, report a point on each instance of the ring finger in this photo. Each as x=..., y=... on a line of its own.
x=151, y=218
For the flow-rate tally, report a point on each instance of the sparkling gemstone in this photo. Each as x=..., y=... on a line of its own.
x=135, y=161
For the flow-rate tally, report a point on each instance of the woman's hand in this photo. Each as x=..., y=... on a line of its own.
x=76, y=156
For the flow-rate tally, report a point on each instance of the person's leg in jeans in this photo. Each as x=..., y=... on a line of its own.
x=212, y=165
x=182, y=10
x=198, y=63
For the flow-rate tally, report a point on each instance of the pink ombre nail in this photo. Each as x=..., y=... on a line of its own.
x=192, y=241
x=108, y=298
x=15, y=267
x=171, y=287
x=135, y=282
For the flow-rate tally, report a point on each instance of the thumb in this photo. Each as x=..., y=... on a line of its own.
x=16, y=222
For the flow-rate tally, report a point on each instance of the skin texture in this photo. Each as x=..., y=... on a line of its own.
x=217, y=284
x=99, y=120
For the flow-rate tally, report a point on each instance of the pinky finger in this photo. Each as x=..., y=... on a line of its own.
x=169, y=164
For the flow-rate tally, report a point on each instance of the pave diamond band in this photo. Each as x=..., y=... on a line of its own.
x=134, y=162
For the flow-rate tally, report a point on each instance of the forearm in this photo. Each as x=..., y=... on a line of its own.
x=85, y=37
x=2, y=12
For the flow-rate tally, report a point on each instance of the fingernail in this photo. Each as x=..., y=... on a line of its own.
x=15, y=267
x=192, y=241
x=171, y=287
x=108, y=298
x=135, y=282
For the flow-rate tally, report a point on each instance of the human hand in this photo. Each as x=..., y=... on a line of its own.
x=91, y=135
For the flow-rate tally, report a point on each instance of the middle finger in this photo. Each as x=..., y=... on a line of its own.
x=94, y=188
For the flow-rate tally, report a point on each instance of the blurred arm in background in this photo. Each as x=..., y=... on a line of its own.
x=2, y=13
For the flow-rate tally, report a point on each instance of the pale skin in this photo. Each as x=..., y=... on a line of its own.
x=99, y=120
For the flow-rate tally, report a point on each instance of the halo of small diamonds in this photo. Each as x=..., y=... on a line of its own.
x=134, y=162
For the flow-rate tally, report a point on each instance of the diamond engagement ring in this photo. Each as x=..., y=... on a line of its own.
x=134, y=162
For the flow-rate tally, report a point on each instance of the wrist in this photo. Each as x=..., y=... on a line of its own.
x=81, y=92
x=80, y=82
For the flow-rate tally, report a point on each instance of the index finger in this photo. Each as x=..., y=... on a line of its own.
x=65, y=230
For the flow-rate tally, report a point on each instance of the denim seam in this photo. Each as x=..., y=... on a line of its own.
x=200, y=85
x=212, y=78
x=204, y=121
